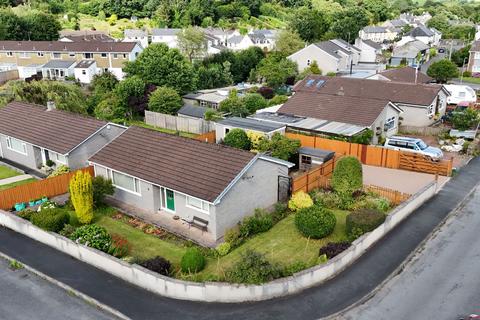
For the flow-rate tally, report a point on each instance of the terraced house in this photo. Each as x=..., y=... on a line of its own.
x=58, y=59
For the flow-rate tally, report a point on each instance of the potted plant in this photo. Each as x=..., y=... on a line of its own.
x=31, y=203
x=49, y=163
x=19, y=206
x=44, y=199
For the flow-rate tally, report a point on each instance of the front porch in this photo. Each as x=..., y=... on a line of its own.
x=166, y=221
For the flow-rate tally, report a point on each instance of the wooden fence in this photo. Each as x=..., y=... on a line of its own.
x=207, y=137
x=166, y=121
x=49, y=187
x=377, y=155
x=8, y=75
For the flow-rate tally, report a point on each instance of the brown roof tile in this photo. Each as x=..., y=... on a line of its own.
x=60, y=46
x=405, y=74
x=193, y=167
x=56, y=130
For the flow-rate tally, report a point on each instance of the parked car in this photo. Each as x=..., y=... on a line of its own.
x=413, y=145
x=441, y=50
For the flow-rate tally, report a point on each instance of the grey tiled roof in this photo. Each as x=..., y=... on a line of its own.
x=165, y=31
x=59, y=64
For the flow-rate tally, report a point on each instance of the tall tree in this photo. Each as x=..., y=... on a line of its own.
x=161, y=66
x=165, y=100
x=41, y=26
x=443, y=70
x=349, y=23
x=310, y=24
x=288, y=42
x=378, y=9
x=275, y=70
x=192, y=42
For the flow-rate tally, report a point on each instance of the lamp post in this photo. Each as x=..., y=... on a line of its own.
x=463, y=70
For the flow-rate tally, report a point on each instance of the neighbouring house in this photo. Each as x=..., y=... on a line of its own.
x=378, y=34
x=58, y=69
x=411, y=53
x=264, y=38
x=192, y=112
x=424, y=34
x=370, y=51
x=405, y=74
x=84, y=36
x=415, y=20
x=395, y=23
x=166, y=35
x=136, y=35
x=267, y=129
x=85, y=70
x=31, y=134
x=189, y=180
x=109, y=56
x=474, y=58
x=239, y=42
x=211, y=98
x=331, y=56
x=460, y=93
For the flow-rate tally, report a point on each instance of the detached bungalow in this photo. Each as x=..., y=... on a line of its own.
x=31, y=134
x=171, y=177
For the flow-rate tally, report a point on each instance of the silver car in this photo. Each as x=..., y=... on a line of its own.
x=413, y=145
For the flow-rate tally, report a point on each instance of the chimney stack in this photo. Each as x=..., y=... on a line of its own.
x=51, y=105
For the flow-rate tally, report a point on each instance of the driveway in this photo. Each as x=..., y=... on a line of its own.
x=441, y=282
x=24, y=296
x=402, y=180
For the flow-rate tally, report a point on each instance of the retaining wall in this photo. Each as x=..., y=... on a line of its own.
x=214, y=291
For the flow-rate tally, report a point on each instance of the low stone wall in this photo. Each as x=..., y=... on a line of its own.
x=214, y=291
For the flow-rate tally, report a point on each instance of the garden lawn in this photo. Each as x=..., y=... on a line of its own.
x=16, y=184
x=143, y=246
x=282, y=244
x=6, y=172
x=471, y=80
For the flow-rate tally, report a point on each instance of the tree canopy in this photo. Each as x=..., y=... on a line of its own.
x=443, y=70
x=165, y=100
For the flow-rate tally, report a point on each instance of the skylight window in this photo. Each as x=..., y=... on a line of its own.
x=310, y=82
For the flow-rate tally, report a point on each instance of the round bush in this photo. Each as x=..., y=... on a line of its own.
x=237, y=138
x=192, y=261
x=347, y=176
x=93, y=236
x=315, y=222
x=365, y=220
x=51, y=219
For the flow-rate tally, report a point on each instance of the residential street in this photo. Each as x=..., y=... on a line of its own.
x=24, y=296
x=442, y=282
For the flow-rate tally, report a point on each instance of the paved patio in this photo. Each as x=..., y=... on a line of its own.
x=165, y=220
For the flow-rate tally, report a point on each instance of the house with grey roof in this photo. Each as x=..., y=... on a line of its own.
x=136, y=35
x=370, y=51
x=378, y=34
x=239, y=42
x=211, y=98
x=331, y=56
x=180, y=182
x=264, y=38
x=166, y=35
x=58, y=69
x=411, y=53
x=425, y=35
x=31, y=135
x=85, y=70
x=267, y=129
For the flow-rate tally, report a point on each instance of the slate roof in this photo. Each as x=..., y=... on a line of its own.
x=420, y=31
x=59, y=64
x=235, y=39
x=325, y=155
x=60, y=46
x=332, y=48
x=55, y=130
x=132, y=33
x=405, y=74
x=193, y=111
x=193, y=167
x=165, y=31
x=398, y=23
x=252, y=124
x=409, y=49
x=374, y=29
x=84, y=64
x=372, y=44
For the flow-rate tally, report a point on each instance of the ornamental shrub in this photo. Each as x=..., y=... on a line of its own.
x=365, y=220
x=158, y=264
x=81, y=195
x=253, y=268
x=119, y=247
x=25, y=214
x=347, y=178
x=223, y=249
x=93, y=236
x=260, y=222
x=315, y=222
x=232, y=236
x=300, y=200
x=50, y=219
x=237, y=138
x=59, y=171
x=101, y=188
x=332, y=249
x=192, y=261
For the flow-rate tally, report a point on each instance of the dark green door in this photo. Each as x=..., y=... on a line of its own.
x=170, y=200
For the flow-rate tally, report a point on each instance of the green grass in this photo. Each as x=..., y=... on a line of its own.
x=471, y=80
x=6, y=172
x=16, y=184
x=144, y=125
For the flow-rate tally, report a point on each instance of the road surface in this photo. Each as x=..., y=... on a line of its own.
x=24, y=296
x=441, y=282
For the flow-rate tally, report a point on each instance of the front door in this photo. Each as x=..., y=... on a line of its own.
x=169, y=195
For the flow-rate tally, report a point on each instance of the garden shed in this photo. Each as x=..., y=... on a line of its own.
x=310, y=157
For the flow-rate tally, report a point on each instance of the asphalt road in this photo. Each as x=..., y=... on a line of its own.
x=24, y=296
x=441, y=282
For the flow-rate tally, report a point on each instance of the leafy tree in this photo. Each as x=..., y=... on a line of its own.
x=254, y=102
x=461, y=31
x=165, y=100
x=132, y=95
x=81, y=196
x=378, y=9
x=68, y=97
x=347, y=176
x=439, y=22
x=279, y=146
x=212, y=115
x=214, y=76
x=192, y=43
x=103, y=83
x=288, y=42
x=12, y=27
x=465, y=120
x=275, y=70
x=310, y=24
x=161, y=66
x=101, y=188
x=110, y=108
x=41, y=26
x=234, y=105
x=237, y=138
x=347, y=24
x=245, y=61
x=312, y=69
x=443, y=70
x=460, y=56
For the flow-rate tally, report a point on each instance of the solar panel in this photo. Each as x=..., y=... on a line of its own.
x=320, y=83
x=310, y=82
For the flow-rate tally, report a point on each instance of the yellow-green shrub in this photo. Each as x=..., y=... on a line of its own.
x=300, y=200
x=255, y=138
x=81, y=196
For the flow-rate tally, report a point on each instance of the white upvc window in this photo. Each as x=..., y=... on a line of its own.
x=9, y=54
x=71, y=54
x=58, y=157
x=103, y=55
x=125, y=182
x=56, y=55
x=430, y=110
x=390, y=123
x=24, y=54
x=88, y=55
x=16, y=145
x=198, y=204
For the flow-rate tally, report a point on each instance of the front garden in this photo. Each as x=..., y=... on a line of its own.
x=308, y=231
x=6, y=172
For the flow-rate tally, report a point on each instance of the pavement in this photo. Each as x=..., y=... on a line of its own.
x=350, y=286
x=24, y=296
x=441, y=282
x=15, y=179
